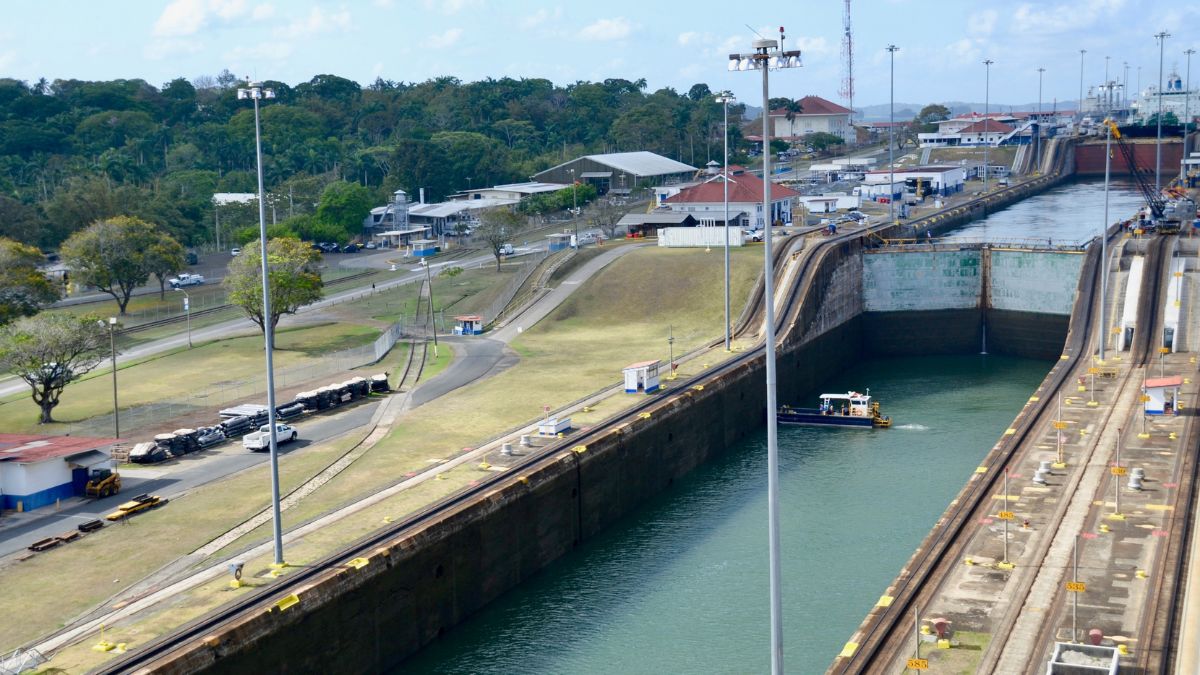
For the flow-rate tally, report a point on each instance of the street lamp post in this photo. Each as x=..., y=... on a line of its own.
x=432, y=317
x=1038, y=153
x=1187, y=98
x=725, y=99
x=892, y=49
x=1104, y=235
x=256, y=92
x=1125, y=90
x=767, y=55
x=112, y=345
x=187, y=308
x=987, y=87
x=1162, y=39
x=1081, y=53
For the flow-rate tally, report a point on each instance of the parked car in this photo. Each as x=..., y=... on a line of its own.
x=234, y=251
x=753, y=235
x=506, y=249
x=185, y=279
x=370, y=246
x=350, y=248
x=210, y=436
x=192, y=258
x=329, y=247
x=261, y=439
x=586, y=238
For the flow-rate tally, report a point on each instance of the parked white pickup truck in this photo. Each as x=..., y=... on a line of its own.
x=261, y=439
x=186, y=279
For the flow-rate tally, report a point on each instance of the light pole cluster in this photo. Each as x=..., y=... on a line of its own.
x=256, y=92
x=987, y=88
x=1162, y=39
x=725, y=99
x=892, y=49
x=765, y=57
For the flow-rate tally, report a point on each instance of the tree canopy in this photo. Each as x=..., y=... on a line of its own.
x=50, y=351
x=293, y=275
x=73, y=152
x=24, y=289
x=499, y=226
x=117, y=255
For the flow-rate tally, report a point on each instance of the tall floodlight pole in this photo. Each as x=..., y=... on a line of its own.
x=1038, y=154
x=1107, y=99
x=112, y=345
x=725, y=99
x=1125, y=90
x=987, y=87
x=892, y=49
x=767, y=55
x=1162, y=39
x=1187, y=98
x=1081, y=53
x=255, y=92
x=1103, y=332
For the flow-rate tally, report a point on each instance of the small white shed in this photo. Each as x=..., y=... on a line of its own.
x=1163, y=395
x=642, y=376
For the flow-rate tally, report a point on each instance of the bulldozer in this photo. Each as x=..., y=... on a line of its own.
x=103, y=483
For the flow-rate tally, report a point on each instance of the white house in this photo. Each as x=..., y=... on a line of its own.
x=36, y=471
x=816, y=115
x=969, y=130
x=706, y=201
x=939, y=180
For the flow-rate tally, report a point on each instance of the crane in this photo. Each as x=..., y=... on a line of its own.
x=1153, y=198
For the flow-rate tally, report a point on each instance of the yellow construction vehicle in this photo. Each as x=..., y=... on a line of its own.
x=103, y=483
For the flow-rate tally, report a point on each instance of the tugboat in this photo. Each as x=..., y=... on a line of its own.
x=851, y=409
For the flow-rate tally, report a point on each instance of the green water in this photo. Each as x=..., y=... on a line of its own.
x=681, y=586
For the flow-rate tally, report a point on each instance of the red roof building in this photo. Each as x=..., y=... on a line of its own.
x=816, y=115
x=706, y=201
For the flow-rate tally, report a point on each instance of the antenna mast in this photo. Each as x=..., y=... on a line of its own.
x=847, y=91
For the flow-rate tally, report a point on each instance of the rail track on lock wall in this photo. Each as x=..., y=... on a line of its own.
x=885, y=638
x=809, y=252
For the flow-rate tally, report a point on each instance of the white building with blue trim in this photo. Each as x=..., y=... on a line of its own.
x=37, y=471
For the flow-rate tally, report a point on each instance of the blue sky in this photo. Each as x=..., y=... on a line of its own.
x=672, y=44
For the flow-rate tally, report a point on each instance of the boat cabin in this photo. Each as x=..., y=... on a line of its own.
x=852, y=404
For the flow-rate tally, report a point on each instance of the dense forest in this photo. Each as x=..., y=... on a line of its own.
x=72, y=152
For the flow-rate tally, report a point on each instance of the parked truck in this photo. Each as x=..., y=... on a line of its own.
x=261, y=439
x=186, y=279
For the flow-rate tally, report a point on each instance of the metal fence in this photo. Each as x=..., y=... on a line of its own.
x=529, y=263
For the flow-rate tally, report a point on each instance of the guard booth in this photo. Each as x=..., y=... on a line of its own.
x=1162, y=395
x=559, y=241
x=470, y=324
x=423, y=248
x=642, y=376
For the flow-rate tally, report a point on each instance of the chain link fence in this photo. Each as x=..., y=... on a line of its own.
x=529, y=264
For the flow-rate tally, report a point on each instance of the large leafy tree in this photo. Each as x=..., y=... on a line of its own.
x=50, y=351
x=163, y=258
x=499, y=226
x=344, y=205
x=23, y=288
x=930, y=115
x=293, y=277
x=112, y=256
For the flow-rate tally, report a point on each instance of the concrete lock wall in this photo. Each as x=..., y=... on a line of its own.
x=916, y=281
x=427, y=581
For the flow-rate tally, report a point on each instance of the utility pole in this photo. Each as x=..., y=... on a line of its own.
x=1187, y=99
x=987, y=63
x=1038, y=154
x=1081, y=53
x=1162, y=39
x=892, y=49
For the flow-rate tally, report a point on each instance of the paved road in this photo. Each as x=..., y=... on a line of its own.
x=173, y=479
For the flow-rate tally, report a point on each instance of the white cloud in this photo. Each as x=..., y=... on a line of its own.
x=263, y=51
x=447, y=38
x=689, y=38
x=162, y=48
x=982, y=23
x=540, y=17
x=188, y=17
x=607, y=29
x=317, y=21
x=7, y=59
x=383, y=4
x=451, y=6
x=814, y=46
x=1062, y=17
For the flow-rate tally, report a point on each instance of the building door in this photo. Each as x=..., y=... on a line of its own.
x=79, y=479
